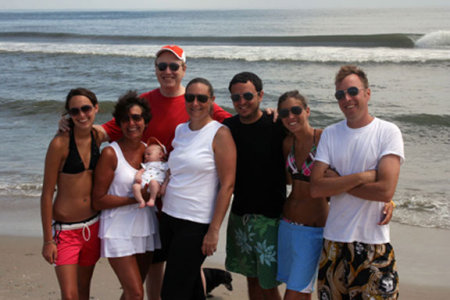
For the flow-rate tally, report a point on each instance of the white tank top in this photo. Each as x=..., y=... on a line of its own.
x=193, y=185
x=129, y=220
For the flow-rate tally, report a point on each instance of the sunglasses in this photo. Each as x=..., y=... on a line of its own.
x=134, y=117
x=284, y=112
x=75, y=111
x=200, y=98
x=247, y=96
x=351, y=91
x=172, y=66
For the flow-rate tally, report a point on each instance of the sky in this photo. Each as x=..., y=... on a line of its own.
x=210, y=4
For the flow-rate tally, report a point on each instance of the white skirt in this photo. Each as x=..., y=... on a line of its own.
x=128, y=230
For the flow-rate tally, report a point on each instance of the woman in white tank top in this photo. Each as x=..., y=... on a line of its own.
x=202, y=167
x=129, y=234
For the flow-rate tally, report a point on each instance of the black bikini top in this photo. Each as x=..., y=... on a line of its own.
x=74, y=164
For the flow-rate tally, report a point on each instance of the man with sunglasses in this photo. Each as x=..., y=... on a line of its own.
x=357, y=259
x=167, y=101
x=260, y=189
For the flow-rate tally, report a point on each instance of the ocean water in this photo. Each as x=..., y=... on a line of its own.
x=406, y=53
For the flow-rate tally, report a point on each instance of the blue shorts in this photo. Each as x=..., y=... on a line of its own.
x=299, y=249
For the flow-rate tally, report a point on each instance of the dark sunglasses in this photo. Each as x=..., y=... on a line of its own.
x=172, y=66
x=75, y=111
x=247, y=96
x=284, y=112
x=200, y=98
x=352, y=91
x=134, y=117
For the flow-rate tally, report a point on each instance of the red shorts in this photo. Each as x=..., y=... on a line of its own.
x=77, y=243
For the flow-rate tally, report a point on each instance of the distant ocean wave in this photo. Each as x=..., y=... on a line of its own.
x=434, y=40
x=395, y=40
x=245, y=53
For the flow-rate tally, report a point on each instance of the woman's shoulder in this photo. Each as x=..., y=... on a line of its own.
x=110, y=150
x=60, y=141
x=222, y=129
x=223, y=135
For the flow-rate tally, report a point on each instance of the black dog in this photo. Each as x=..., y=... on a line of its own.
x=216, y=277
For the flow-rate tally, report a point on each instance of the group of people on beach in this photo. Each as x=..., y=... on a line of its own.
x=331, y=228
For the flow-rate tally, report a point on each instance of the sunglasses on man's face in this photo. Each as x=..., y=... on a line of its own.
x=75, y=111
x=284, y=112
x=247, y=96
x=172, y=66
x=134, y=117
x=200, y=98
x=351, y=91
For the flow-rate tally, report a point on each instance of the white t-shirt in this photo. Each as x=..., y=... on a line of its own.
x=350, y=151
x=193, y=184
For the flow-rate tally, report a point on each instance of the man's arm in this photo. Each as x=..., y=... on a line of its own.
x=383, y=188
x=103, y=133
x=322, y=186
x=63, y=126
x=388, y=208
x=219, y=114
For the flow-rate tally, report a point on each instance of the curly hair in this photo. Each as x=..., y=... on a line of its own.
x=126, y=102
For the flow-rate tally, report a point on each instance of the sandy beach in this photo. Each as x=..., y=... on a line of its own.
x=422, y=255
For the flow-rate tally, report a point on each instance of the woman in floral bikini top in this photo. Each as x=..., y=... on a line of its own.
x=301, y=226
x=305, y=171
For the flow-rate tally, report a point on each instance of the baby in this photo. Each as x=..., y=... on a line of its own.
x=154, y=173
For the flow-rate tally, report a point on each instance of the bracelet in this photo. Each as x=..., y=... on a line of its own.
x=50, y=242
x=393, y=203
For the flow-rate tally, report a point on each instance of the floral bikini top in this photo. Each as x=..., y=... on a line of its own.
x=305, y=171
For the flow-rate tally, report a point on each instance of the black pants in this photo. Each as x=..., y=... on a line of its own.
x=182, y=241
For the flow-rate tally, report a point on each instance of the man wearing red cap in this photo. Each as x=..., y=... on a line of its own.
x=167, y=101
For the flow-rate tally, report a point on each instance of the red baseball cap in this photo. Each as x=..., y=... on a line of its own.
x=176, y=50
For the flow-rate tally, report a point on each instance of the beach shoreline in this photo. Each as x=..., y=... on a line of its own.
x=421, y=255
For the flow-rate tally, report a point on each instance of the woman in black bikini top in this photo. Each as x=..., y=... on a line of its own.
x=69, y=165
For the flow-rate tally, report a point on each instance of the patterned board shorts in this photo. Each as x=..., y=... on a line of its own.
x=357, y=271
x=252, y=248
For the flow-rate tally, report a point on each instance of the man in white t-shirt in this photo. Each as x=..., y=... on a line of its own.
x=357, y=259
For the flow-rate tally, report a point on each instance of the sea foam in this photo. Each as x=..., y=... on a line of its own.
x=436, y=40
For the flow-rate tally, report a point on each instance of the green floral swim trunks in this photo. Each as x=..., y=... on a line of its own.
x=252, y=248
